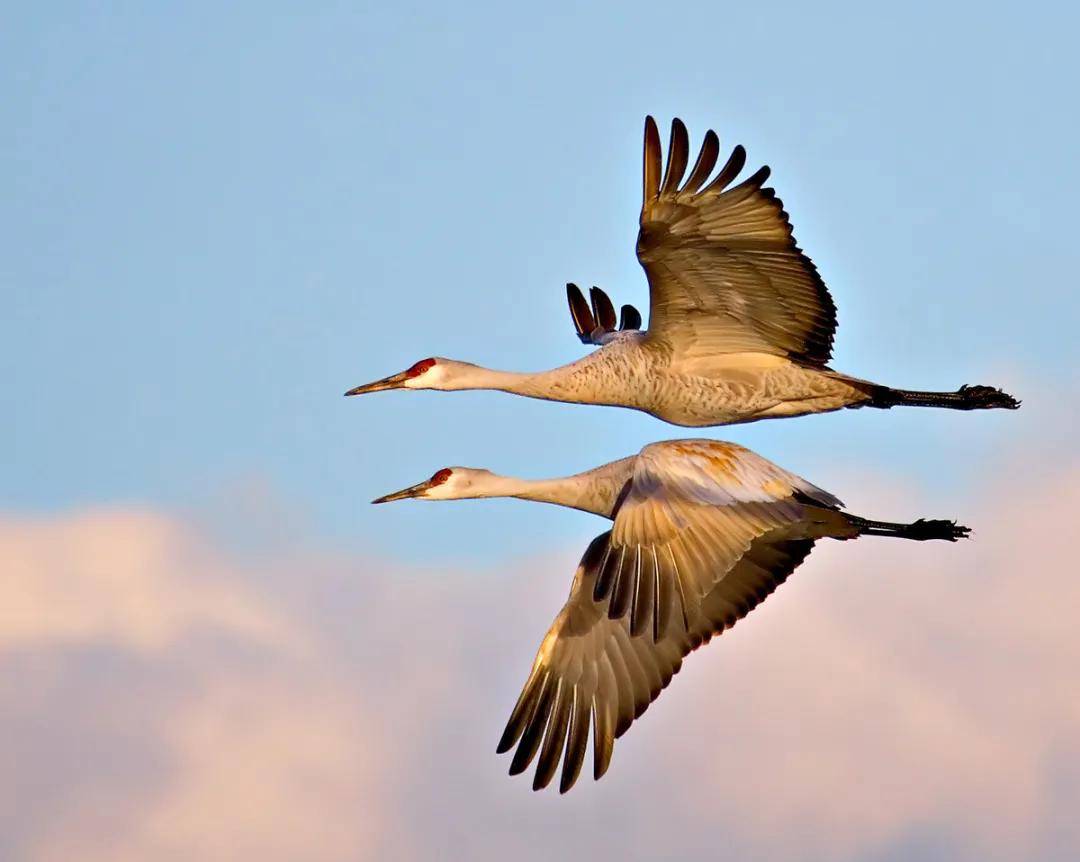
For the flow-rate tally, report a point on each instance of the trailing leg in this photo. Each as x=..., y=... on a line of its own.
x=921, y=530
x=964, y=398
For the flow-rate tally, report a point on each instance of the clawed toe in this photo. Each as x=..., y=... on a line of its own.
x=986, y=398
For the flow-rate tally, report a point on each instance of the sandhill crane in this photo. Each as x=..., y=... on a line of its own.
x=703, y=531
x=740, y=323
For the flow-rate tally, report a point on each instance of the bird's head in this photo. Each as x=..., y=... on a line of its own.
x=449, y=483
x=432, y=373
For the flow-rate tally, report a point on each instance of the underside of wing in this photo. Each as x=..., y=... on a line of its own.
x=593, y=674
x=725, y=274
x=692, y=510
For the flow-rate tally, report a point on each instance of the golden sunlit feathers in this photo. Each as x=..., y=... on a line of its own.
x=735, y=163
x=678, y=155
x=651, y=170
x=706, y=161
x=724, y=272
x=665, y=185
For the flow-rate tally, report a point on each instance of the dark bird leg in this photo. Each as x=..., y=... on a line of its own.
x=921, y=530
x=964, y=398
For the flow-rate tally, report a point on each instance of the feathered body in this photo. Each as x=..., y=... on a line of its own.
x=719, y=389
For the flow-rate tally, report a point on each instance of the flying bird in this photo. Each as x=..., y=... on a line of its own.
x=741, y=324
x=703, y=532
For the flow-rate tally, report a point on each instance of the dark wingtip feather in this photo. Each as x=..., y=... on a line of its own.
x=554, y=738
x=651, y=167
x=759, y=177
x=506, y=742
x=603, y=309
x=629, y=318
x=521, y=712
x=660, y=612
x=605, y=573
x=534, y=730
x=678, y=154
x=735, y=163
x=643, y=600
x=577, y=738
x=580, y=313
x=706, y=161
x=518, y=765
x=603, y=741
x=623, y=588
x=665, y=598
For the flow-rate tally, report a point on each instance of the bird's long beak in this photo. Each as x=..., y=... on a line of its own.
x=406, y=493
x=394, y=381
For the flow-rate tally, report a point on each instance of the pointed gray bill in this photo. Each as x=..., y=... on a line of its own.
x=406, y=493
x=394, y=381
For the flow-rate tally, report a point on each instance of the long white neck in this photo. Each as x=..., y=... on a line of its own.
x=596, y=491
x=602, y=377
x=468, y=376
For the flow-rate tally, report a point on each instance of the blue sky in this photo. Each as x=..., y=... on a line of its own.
x=216, y=221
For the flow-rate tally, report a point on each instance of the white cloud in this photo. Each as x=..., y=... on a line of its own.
x=167, y=699
x=131, y=578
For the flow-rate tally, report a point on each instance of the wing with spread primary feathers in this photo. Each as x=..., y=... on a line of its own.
x=592, y=674
x=725, y=274
x=705, y=533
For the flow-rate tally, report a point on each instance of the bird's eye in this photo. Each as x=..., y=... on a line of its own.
x=441, y=476
x=420, y=367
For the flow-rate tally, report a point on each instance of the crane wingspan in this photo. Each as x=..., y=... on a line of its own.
x=725, y=274
x=592, y=672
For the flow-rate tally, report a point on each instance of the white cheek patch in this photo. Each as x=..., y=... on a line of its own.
x=428, y=380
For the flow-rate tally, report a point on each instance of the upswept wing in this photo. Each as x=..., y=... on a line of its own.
x=725, y=274
x=705, y=532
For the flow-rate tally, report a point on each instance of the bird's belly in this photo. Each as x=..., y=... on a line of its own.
x=744, y=389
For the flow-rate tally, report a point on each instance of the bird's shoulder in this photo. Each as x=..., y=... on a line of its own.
x=622, y=339
x=710, y=472
x=677, y=457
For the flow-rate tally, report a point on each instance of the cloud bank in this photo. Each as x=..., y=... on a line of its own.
x=166, y=697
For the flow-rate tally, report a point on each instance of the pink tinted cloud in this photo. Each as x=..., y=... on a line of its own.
x=165, y=698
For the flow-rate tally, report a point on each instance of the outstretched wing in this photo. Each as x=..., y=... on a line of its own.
x=725, y=274
x=596, y=325
x=591, y=672
x=705, y=531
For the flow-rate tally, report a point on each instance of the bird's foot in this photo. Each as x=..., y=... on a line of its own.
x=926, y=529
x=985, y=398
